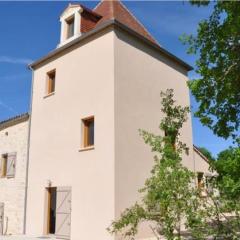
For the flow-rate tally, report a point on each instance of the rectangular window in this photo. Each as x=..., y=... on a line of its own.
x=51, y=76
x=4, y=165
x=200, y=181
x=8, y=165
x=201, y=184
x=88, y=132
x=70, y=27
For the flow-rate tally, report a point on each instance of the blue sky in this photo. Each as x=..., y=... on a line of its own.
x=30, y=30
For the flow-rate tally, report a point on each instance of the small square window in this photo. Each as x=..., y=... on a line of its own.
x=70, y=27
x=51, y=78
x=88, y=132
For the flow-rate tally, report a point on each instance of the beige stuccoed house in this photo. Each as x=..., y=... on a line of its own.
x=90, y=96
x=13, y=170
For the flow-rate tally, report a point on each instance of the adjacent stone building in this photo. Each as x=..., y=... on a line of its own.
x=13, y=170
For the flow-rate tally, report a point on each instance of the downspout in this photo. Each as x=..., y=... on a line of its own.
x=28, y=150
x=194, y=166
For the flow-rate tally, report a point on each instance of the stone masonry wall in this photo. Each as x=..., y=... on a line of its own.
x=12, y=190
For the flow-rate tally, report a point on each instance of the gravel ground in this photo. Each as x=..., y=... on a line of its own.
x=23, y=237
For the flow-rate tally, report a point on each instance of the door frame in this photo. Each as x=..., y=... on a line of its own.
x=47, y=209
x=2, y=221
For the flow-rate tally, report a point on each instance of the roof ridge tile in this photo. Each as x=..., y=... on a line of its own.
x=115, y=9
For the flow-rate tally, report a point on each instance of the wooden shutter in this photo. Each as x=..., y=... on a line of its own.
x=1, y=163
x=11, y=164
x=1, y=217
x=63, y=212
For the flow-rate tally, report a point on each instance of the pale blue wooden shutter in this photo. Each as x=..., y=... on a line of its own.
x=63, y=212
x=1, y=163
x=11, y=164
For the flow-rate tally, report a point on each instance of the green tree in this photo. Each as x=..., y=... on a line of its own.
x=224, y=207
x=169, y=197
x=217, y=45
x=206, y=153
x=228, y=168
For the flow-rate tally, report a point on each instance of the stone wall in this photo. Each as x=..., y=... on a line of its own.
x=12, y=190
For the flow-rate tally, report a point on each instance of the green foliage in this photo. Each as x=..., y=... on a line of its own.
x=218, y=89
x=224, y=207
x=206, y=153
x=228, y=168
x=169, y=197
x=199, y=2
x=217, y=46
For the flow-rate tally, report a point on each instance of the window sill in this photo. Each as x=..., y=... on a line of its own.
x=86, y=149
x=49, y=95
x=49, y=236
x=7, y=177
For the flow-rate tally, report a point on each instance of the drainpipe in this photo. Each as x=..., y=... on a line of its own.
x=194, y=165
x=28, y=150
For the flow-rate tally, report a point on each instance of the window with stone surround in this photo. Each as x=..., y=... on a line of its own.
x=70, y=26
x=8, y=165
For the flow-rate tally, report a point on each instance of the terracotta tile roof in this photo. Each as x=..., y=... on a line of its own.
x=107, y=13
x=89, y=20
x=110, y=10
x=115, y=10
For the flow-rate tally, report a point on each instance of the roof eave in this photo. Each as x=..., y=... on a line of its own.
x=103, y=26
x=13, y=121
x=196, y=149
x=72, y=43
